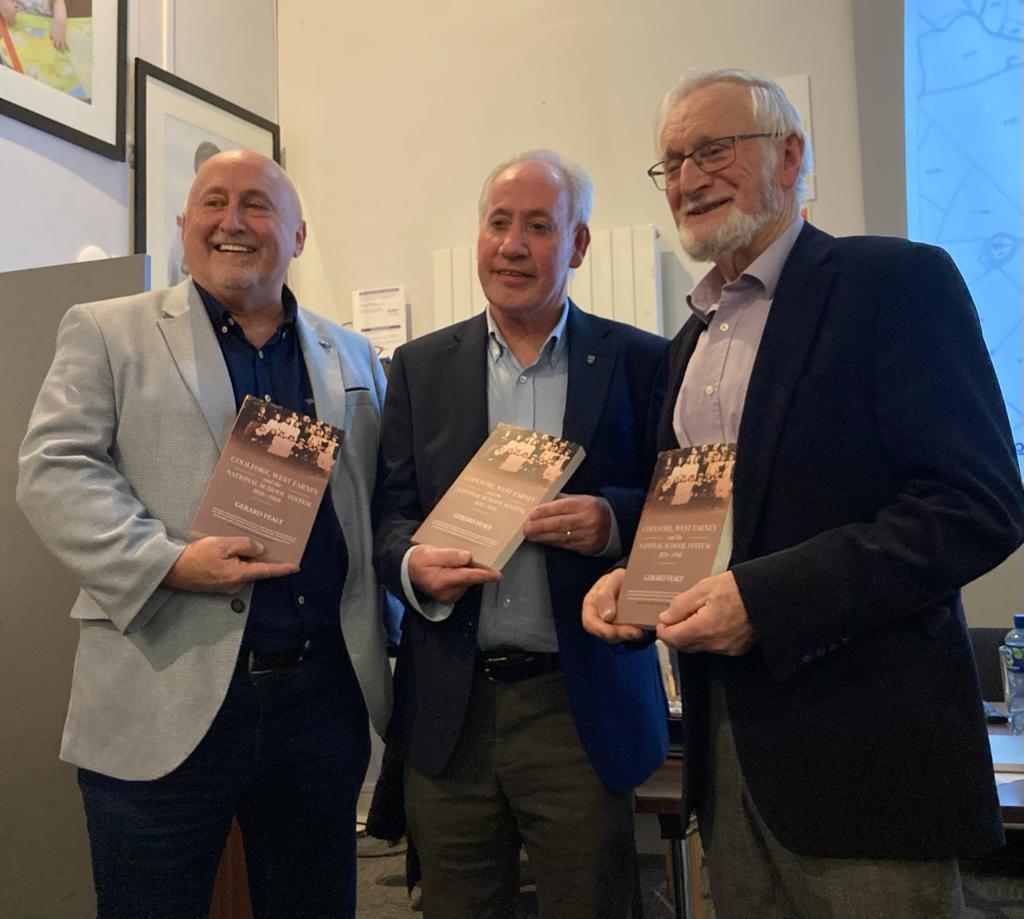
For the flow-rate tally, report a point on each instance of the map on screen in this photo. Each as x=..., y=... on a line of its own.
x=964, y=163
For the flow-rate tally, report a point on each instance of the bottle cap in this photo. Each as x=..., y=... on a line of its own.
x=1018, y=620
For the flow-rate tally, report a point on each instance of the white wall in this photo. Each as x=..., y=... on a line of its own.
x=392, y=114
x=58, y=198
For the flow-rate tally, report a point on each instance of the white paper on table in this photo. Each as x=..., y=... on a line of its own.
x=379, y=314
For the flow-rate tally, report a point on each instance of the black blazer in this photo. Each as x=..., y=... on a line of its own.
x=435, y=419
x=875, y=475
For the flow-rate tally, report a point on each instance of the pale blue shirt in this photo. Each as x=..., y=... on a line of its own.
x=515, y=612
x=710, y=401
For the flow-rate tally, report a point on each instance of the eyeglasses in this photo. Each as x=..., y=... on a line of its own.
x=708, y=157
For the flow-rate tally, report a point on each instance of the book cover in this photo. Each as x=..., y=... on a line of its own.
x=270, y=479
x=679, y=539
x=485, y=508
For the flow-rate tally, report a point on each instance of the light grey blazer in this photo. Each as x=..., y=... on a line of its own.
x=126, y=430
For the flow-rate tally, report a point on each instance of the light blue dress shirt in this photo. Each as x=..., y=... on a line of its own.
x=515, y=612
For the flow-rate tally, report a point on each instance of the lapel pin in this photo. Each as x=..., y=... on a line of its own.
x=325, y=344
x=591, y=358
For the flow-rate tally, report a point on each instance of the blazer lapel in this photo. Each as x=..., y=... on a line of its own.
x=193, y=345
x=793, y=320
x=591, y=362
x=323, y=364
x=679, y=356
x=463, y=397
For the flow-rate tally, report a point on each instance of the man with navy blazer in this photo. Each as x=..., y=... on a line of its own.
x=517, y=726
x=208, y=683
x=836, y=751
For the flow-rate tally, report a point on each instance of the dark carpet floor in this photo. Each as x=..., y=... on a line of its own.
x=993, y=888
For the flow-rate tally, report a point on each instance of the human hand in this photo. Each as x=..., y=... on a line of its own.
x=222, y=565
x=59, y=29
x=710, y=616
x=581, y=523
x=445, y=574
x=600, y=606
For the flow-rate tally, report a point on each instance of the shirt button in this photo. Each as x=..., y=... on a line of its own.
x=507, y=601
x=522, y=379
x=724, y=327
x=224, y=329
x=267, y=398
x=260, y=353
x=237, y=606
x=709, y=390
x=300, y=599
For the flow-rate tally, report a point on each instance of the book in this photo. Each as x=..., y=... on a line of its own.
x=484, y=509
x=270, y=479
x=679, y=539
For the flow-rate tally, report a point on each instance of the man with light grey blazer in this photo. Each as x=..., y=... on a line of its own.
x=210, y=684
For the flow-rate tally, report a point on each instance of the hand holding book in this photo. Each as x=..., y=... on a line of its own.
x=600, y=607
x=446, y=574
x=580, y=523
x=710, y=616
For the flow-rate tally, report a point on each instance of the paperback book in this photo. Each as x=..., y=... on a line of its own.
x=679, y=539
x=485, y=508
x=270, y=479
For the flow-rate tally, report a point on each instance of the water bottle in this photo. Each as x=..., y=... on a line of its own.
x=1013, y=673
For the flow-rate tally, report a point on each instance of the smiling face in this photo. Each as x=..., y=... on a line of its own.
x=526, y=244
x=731, y=216
x=241, y=228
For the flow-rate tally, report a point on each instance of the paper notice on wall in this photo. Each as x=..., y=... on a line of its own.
x=379, y=314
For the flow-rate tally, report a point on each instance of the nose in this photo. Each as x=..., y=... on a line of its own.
x=231, y=218
x=692, y=178
x=513, y=243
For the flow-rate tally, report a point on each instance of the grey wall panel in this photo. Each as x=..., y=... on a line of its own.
x=44, y=859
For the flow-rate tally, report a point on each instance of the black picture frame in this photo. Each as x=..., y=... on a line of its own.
x=174, y=121
x=95, y=119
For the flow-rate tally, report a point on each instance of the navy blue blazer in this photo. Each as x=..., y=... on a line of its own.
x=875, y=475
x=434, y=420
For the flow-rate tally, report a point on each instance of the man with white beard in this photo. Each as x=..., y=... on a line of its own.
x=836, y=750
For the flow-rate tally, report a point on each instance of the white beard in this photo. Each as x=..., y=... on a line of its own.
x=739, y=229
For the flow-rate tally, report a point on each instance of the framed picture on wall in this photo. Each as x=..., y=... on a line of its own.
x=62, y=69
x=178, y=126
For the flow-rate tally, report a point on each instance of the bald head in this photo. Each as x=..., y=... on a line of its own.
x=241, y=228
x=270, y=170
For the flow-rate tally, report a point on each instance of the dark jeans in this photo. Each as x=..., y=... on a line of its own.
x=287, y=754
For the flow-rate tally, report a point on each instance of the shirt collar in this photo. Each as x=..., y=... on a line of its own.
x=553, y=348
x=763, y=272
x=221, y=318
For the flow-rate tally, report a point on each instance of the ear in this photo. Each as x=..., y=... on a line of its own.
x=300, y=239
x=792, y=157
x=580, y=243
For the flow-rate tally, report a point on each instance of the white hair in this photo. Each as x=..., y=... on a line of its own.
x=773, y=112
x=578, y=184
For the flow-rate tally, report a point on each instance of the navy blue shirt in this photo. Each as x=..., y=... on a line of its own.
x=286, y=612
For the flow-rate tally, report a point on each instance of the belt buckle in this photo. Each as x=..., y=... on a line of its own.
x=488, y=672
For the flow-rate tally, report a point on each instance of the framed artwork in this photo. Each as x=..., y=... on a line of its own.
x=178, y=126
x=62, y=69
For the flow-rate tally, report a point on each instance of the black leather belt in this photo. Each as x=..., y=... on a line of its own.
x=510, y=665
x=254, y=661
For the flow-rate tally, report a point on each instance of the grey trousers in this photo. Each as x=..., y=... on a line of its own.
x=519, y=776
x=752, y=875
